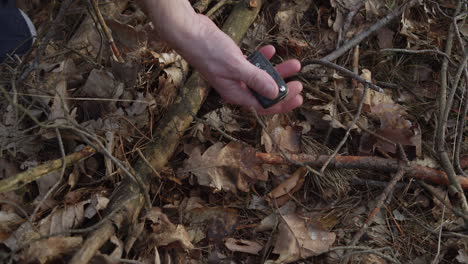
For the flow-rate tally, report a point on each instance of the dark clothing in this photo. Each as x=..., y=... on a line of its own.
x=16, y=36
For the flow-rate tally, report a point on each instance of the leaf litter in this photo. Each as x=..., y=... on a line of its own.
x=214, y=194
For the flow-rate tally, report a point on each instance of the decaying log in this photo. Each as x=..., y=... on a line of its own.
x=168, y=133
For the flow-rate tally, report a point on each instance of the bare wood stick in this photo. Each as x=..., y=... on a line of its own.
x=380, y=201
x=219, y=5
x=442, y=122
x=343, y=141
x=360, y=37
x=363, y=162
x=457, y=162
x=442, y=200
x=62, y=173
x=343, y=71
x=168, y=133
x=107, y=31
x=403, y=167
x=23, y=178
x=461, y=125
x=424, y=51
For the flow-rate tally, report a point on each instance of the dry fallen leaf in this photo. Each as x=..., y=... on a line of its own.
x=241, y=245
x=282, y=193
x=214, y=222
x=224, y=167
x=165, y=232
x=298, y=240
x=385, y=37
x=288, y=138
x=462, y=256
x=44, y=251
x=8, y=223
x=269, y=222
x=394, y=124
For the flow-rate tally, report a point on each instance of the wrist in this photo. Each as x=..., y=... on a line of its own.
x=173, y=20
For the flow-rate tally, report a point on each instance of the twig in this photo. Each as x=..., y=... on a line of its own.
x=347, y=23
x=208, y=123
x=431, y=190
x=456, y=80
x=380, y=201
x=461, y=128
x=23, y=178
x=345, y=138
x=464, y=112
x=366, y=250
x=442, y=122
x=107, y=32
x=363, y=35
x=59, y=181
x=19, y=208
x=219, y=5
x=142, y=156
x=49, y=32
x=85, y=136
x=439, y=239
x=361, y=162
x=424, y=51
x=281, y=151
x=343, y=71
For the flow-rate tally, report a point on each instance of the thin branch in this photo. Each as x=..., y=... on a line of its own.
x=366, y=33
x=424, y=51
x=434, y=193
x=439, y=239
x=361, y=162
x=343, y=71
x=107, y=31
x=219, y=5
x=345, y=138
x=59, y=181
x=367, y=250
x=23, y=178
x=380, y=201
x=442, y=121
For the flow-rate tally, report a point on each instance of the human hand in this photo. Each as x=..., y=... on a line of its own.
x=217, y=57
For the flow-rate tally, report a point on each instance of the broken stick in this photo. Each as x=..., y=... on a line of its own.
x=364, y=162
x=166, y=138
x=23, y=178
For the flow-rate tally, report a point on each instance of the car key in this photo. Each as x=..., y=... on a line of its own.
x=261, y=62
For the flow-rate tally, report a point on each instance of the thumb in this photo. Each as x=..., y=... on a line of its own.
x=259, y=80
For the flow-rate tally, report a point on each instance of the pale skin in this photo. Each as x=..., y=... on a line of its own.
x=219, y=59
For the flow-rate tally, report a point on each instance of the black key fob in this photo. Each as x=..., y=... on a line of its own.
x=261, y=62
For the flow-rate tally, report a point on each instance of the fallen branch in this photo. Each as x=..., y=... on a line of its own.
x=363, y=162
x=168, y=133
x=366, y=33
x=23, y=178
x=343, y=71
x=106, y=31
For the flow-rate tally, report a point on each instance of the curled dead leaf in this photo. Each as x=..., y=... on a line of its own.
x=298, y=239
x=282, y=193
x=8, y=223
x=165, y=232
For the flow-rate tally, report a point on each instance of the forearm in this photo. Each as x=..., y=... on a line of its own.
x=172, y=19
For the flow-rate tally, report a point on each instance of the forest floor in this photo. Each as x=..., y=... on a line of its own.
x=114, y=150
